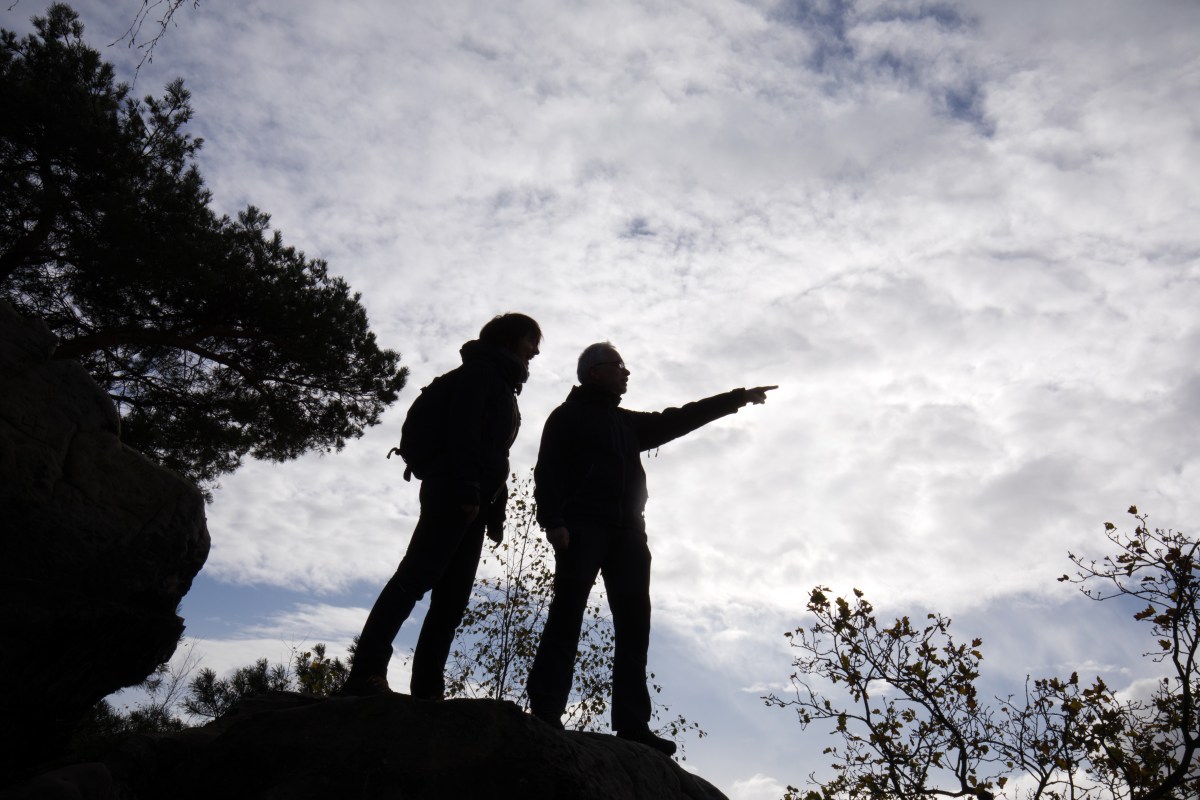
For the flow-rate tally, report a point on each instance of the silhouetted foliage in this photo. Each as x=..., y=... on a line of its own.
x=915, y=727
x=498, y=637
x=105, y=724
x=310, y=671
x=210, y=697
x=1136, y=748
x=213, y=338
x=318, y=674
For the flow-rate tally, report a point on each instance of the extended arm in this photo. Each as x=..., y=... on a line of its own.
x=656, y=429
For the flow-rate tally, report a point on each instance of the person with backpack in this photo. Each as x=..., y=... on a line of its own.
x=455, y=440
x=590, y=489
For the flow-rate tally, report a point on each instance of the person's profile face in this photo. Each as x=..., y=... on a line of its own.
x=527, y=348
x=610, y=373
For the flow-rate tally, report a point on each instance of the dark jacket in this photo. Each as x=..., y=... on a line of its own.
x=483, y=420
x=589, y=467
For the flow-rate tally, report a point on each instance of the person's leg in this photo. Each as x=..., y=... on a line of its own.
x=575, y=570
x=447, y=603
x=435, y=538
x=374, y=648
x=626, y=573
x=627, y=579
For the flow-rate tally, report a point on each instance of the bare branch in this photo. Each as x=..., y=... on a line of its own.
x=130, y=37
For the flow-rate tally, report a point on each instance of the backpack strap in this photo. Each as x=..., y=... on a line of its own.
x=407, y=469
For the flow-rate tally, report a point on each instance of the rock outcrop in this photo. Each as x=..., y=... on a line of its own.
x=98, y=545
x=394, y=746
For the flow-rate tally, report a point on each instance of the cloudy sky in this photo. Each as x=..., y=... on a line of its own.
x=961, y=237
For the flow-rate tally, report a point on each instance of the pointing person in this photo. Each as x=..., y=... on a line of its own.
x=591, y=493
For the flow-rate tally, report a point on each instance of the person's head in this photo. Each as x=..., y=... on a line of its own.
x=600, y=365
x=516, y=333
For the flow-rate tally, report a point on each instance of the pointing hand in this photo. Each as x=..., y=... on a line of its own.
x=758, y=395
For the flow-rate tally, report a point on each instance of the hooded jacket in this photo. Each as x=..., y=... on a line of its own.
x=483, y=419
x=589, y=467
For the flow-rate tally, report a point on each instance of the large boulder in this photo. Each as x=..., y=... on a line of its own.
x=393, y=746
x=98, y=545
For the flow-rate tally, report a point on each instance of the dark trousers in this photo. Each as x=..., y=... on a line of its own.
x=442, y=557
x=622, y=556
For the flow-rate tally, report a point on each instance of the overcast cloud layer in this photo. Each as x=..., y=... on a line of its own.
x=961, y=237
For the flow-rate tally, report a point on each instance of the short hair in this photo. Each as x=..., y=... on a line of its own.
x=592, y=355
x=507, y=330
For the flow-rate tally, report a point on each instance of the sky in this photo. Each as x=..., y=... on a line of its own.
x=960, y=236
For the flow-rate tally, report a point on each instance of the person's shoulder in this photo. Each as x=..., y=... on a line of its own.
x=565, y=409
x=476, y=365
x=477, y=369
x=566, y=412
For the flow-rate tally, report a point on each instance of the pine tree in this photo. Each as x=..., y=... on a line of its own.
x=214, y=338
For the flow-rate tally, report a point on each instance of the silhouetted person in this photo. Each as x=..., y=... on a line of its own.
x=591, y=493
x=462, y=492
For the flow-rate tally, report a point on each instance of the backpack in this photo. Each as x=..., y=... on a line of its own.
x=423, y=435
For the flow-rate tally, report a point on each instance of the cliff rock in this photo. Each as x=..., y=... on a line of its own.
x=98, y=545
x=393, y=746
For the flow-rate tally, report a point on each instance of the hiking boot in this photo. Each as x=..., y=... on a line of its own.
x=365, y=686
x=553, y=720
x=646, y=737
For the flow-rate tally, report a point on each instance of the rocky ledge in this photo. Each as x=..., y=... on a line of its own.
x=286, y=745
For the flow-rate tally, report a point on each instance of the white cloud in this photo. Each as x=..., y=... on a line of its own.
x=310, y=622
x=756, y=787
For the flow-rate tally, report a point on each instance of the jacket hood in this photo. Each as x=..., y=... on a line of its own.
x=512, y=369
